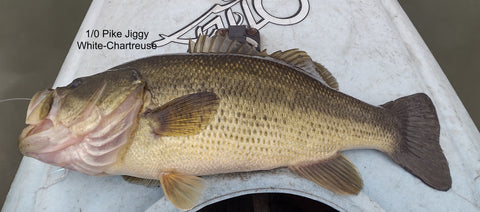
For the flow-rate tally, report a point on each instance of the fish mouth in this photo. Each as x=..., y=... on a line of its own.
x=46, y=134
x=90, y=142
x=27, y=144
x=39, y=106
x=38, y=121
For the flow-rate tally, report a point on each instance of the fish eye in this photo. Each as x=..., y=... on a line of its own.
x=135, y=76
x=75, y=83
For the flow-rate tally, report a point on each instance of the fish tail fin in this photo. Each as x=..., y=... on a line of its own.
x=418, y=149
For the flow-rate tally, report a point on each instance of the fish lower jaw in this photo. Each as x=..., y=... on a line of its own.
x=40, y=127
x=36, y=140
x=33, y=138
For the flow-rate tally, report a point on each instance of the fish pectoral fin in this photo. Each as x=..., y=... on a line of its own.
x=184, y=191
x=336, y=174
x=185, y=115
x=141, y=181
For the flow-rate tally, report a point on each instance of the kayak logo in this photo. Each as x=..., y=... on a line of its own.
x=237, y=12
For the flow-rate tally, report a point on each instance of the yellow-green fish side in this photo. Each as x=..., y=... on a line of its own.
x=269, y=115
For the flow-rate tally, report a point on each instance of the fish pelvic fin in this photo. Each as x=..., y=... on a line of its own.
x=417, y=147
x=336, y=174
x=184, y=191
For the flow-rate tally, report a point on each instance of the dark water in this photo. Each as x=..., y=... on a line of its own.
x=35, y=37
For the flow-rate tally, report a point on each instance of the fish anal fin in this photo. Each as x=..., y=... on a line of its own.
x=185, y=115
x=184, y=191
x=141, y=181
x=336, y=174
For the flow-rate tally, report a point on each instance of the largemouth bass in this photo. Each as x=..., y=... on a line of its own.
x=225, y=107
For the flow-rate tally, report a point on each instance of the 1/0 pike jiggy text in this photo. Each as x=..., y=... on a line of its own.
x=110, y=33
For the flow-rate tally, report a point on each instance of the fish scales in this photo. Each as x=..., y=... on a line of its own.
x=270, y=115
x=165, y=120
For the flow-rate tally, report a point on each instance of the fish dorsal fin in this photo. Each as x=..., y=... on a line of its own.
x=141, y=181
x=326, y=75
x=222, y=44
x=295, y=57
x=336, y=174
x=184, y=191
x=185, y=115
x=301, y=60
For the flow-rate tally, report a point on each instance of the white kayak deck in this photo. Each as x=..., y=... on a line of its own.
x=370, y=46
